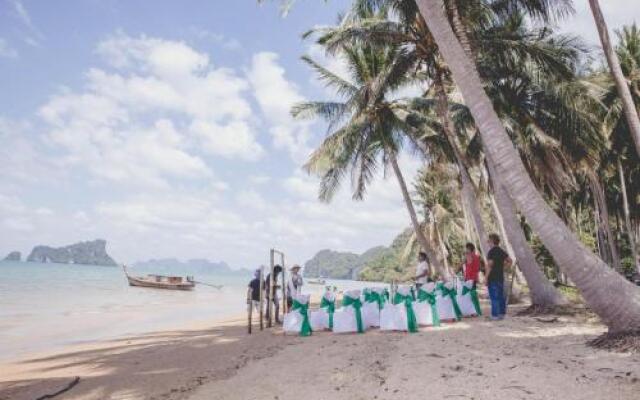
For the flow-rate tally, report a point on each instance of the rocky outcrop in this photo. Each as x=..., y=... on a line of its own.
x=90, y=253
x=13, y=256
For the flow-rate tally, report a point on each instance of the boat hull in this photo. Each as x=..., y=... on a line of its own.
x=133, y=281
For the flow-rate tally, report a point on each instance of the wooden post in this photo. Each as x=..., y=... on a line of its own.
x=250, y=312
x=261, y=296
x=271, y=292
x=284, y=286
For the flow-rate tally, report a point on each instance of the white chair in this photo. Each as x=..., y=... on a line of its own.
x=297, y=320
x=426, y=306
x=468, y=299
x=393, y=317
x=345, y=319
x=322, y=318
x=444, y=303
x=373, y=299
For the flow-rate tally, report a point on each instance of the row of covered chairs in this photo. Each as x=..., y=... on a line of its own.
x=405, y=310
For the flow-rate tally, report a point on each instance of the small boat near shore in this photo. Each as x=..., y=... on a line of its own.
x=319, y=281
x=161, y=281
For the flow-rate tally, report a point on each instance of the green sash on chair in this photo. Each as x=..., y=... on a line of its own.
x=357, y=307
x=474, y=297
x=452, y=293
x=330, y=308
x=303, y=309
x=412, y=323
x=371, y=296
x=430, y=297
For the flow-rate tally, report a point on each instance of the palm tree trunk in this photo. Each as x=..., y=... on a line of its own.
x=605, y=224
x=615, y=300
x=467, y=186
x=542, y=292
x=630, y=111
x=627, y=218
x=422, y=239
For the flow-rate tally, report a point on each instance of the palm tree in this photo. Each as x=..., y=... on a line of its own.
x=614, y=299
x=369, y=133
x=409, y=29
x=630, y=111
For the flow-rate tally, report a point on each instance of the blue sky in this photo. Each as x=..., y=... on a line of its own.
x=163, y=127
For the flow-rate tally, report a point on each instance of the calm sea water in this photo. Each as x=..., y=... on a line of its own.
x=47, y=306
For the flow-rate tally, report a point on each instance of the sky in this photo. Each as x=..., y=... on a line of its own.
x=164, y=128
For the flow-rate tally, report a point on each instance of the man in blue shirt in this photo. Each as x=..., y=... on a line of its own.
x=497, y=260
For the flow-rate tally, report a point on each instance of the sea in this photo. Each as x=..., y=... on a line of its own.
x=45, y=307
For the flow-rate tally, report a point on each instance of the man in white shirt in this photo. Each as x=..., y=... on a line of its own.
x=423, y=270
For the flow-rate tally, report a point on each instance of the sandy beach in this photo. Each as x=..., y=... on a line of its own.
x=519, y=358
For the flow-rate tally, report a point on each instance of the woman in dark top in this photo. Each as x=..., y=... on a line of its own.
x=497, y=260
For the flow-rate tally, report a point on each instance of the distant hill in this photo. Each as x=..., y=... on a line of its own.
x=340, y=265
x=196, y=265
x=392, y=263
x=379, y=263
x=90, y=253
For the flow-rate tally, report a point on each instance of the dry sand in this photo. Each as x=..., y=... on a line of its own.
x=519, y=358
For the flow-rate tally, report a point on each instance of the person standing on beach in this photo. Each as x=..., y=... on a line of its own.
x=423, y=271
x=294, y=285
x=272, y=293
x=471, y=264
x=497, y=260
x=253, y=292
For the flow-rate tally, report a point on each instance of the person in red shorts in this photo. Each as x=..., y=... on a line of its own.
x=471, y=264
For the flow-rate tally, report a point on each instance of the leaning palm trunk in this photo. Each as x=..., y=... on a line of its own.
x=603, y=217
x=629, y=108
x=467, y=187
x=627, y=218
x=422, y=239
x=614, y=299
x=542, y=292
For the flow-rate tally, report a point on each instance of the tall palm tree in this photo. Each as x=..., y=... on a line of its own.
x=409, y=29
x=369, y=133
x=630, y=110
x=614, y=299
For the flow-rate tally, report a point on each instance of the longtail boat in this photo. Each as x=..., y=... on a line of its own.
x=160, y=281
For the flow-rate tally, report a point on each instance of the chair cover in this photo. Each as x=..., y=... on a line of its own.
x=322, y=319
x=399, y=315
x=373, y=302
x=425, y=306
x=348, y=318
x=468, y=299
x=297, y=320
x=447, y=305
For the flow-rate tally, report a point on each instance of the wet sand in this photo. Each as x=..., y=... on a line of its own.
x=519, y=358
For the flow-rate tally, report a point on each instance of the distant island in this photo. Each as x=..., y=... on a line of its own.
x=13, y=256
x=195, y=265
x=379, y=263
x=89, y=253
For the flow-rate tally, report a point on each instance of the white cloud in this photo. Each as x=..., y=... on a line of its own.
x=149, y=118
x=20, y=11
x=276, y=95
x=7, y=51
